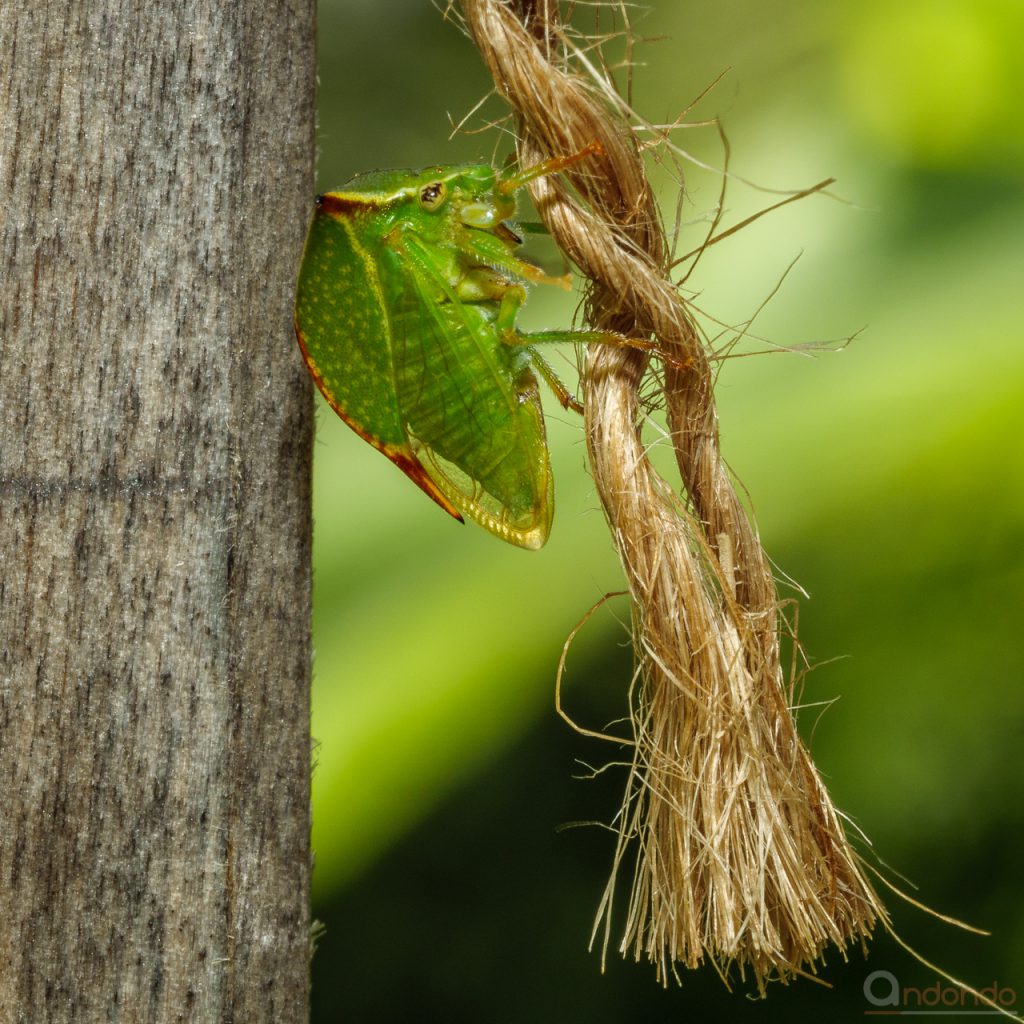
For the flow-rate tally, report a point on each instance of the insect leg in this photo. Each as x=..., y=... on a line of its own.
x=595, y=338
x=505, y=324
x=510, y=182
x=491, y=250
x=565, y=397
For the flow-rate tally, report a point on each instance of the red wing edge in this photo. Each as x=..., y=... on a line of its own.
x=401, y=455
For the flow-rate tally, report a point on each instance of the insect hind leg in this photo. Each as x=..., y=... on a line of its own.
x=533, y=338
x=565, y=397
x=587, y=337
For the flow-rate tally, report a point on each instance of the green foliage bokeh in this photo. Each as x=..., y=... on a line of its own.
x=887, y=479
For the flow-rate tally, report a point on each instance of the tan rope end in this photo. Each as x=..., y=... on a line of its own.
x=741, y=857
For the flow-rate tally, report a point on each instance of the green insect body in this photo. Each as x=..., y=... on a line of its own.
x=405, y=313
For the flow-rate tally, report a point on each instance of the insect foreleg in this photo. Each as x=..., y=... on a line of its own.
x=513, y=179
x=477, y=284
x=406, y=244
x=493, y=251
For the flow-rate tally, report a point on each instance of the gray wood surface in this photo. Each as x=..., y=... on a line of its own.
x=155, y=440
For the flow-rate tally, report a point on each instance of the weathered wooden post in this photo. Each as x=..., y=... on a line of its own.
x=155, y=439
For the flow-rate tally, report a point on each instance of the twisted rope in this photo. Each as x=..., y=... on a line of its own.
x=740, y=855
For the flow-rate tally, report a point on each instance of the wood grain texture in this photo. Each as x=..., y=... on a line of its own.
x=155, y=439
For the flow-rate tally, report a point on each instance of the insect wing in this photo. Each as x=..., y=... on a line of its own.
x=344, y=333
x=470, y=402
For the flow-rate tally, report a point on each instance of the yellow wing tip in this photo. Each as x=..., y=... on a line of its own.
x=532, y=537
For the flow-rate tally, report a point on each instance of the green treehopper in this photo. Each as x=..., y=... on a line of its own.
x=406, y=316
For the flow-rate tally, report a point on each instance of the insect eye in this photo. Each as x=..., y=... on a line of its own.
x=433, y=195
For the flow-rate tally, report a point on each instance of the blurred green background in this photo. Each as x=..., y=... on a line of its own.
x=888, y=479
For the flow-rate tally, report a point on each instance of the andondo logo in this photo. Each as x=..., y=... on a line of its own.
x=884, y=992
